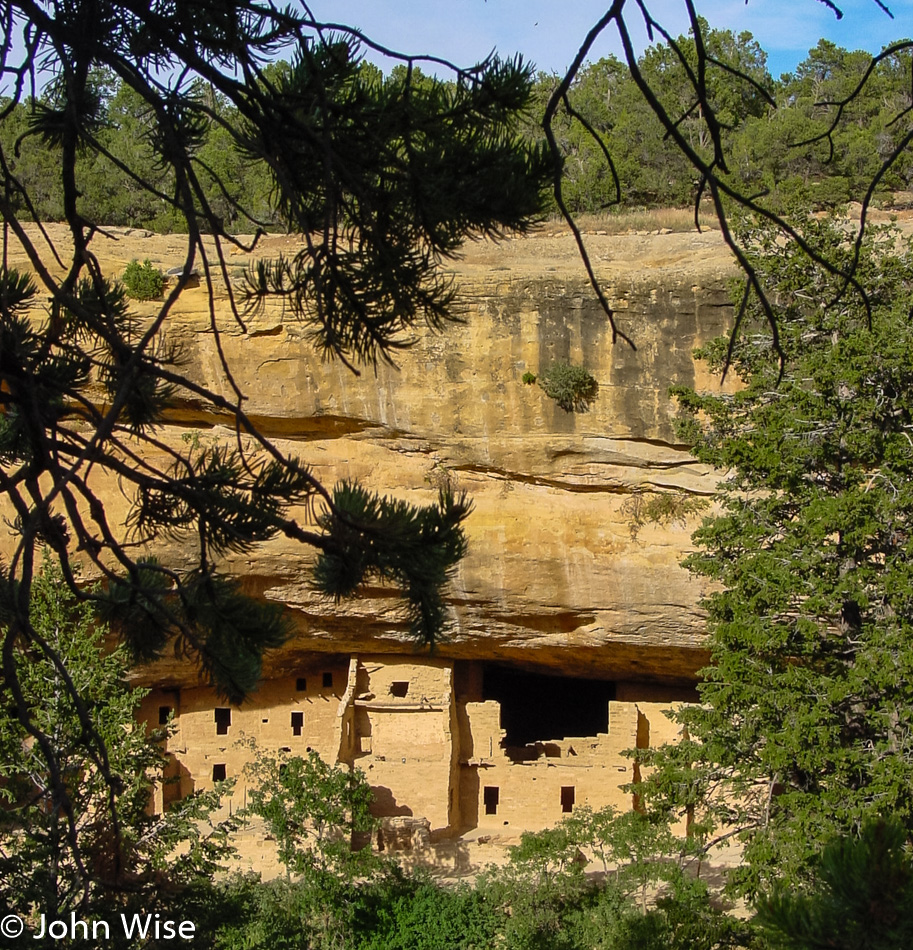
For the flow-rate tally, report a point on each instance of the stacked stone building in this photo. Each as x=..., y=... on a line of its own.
x=429, y=739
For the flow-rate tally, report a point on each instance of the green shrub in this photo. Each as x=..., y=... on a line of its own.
x=143, y=281
x=529, y=378
x=421, y=915
x=572, y=387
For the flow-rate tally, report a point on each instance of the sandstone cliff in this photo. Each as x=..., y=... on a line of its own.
x=554, y=578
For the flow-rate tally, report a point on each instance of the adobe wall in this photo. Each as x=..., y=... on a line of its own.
x=201, y=745
x=404, y=708
x=434, y=753
x=502, y=789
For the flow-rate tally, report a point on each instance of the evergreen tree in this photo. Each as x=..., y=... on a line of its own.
x=806, y=719
x=860, y=898
x=64, y=854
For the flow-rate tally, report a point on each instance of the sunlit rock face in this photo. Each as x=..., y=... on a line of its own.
x=557, y=577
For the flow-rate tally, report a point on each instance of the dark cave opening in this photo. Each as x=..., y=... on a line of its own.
x=536, y=706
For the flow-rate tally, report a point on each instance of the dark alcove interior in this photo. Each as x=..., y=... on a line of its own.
x=536, y=706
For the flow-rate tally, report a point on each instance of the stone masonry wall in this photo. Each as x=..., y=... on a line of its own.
x=433, y=758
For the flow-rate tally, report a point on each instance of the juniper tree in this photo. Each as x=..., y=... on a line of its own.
x=806, y=720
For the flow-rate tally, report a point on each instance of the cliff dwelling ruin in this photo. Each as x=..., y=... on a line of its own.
x=452, y=746
x=568, y=636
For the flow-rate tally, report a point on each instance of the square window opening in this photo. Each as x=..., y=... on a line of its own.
x=568, y=794
x=297, y=723
x=164, y=713
x=223, y=720
x=327, y=680
x=301, y=684
x=218, y=772
x=491, y=796
x=399, y=689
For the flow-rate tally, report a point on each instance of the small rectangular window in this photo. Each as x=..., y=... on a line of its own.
x=164, y=713
x=297, y=723
x=399, y=689
x=301, y=684
x=223, y=720
x=218, y=772
x=567, y=798
x=327, y=680
x=491, y=795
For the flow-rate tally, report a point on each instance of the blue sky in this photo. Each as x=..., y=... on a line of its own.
x=549, y=32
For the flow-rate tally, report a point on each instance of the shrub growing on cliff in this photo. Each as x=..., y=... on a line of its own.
x=572, y=387
x=143, y=281
x=663, y=508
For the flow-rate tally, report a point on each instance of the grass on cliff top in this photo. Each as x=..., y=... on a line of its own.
x=677, y=220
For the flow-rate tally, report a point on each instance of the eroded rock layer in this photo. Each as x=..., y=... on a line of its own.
x=557, y=576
